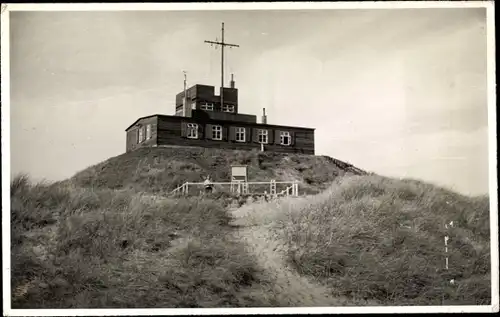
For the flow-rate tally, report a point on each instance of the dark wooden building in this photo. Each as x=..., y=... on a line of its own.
x=201, y=120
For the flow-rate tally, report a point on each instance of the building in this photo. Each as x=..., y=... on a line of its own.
x=202, y=121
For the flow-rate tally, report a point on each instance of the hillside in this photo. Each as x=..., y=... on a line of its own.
x=160, y=170
x=382, y=239
x=109, y=237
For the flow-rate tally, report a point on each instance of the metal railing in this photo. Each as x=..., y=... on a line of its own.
x=243, y=187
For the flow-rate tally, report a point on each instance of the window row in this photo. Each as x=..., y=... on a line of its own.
x=207, y=107
x=144, y=136
x=241, y=134
x=210, y=107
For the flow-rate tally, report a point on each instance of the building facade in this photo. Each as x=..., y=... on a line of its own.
x=201, y=120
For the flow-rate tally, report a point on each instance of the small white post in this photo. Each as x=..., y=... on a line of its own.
x=446, y=248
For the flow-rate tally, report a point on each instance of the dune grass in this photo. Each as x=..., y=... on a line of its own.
x=100, y=241
x=81, y=248
x=371, y=237
x=161, y=170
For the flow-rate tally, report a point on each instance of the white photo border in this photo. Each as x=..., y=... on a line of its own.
x=5, y=146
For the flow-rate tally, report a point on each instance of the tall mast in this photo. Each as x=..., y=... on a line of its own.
x=222, y=44
x=222, y=67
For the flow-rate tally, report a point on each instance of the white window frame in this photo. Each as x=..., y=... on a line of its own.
x=217, y=132
x=228, y=108
x=207, y=106
x=140, y=137
x=193, y=106
x=263, y=134
x=284, y=134
x=148, y=132
x=192, y=131
x=240, y=132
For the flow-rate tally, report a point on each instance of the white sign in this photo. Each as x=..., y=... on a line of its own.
x=239, y=171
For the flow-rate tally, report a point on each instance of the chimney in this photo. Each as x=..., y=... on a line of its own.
x=232, y=81
x=264, y=117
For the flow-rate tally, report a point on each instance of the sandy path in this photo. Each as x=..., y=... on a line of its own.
x=292, y=288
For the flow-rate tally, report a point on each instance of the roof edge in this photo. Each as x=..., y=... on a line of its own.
x=139, y=119
x=238, y=122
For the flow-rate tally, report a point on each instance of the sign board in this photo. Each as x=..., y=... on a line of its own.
x=239, y=173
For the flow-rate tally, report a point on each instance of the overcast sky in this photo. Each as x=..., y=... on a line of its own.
x=397, y=92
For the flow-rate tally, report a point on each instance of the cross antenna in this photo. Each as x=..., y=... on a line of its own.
x=222, y=45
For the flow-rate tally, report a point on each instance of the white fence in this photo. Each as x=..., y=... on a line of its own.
x=244, y=188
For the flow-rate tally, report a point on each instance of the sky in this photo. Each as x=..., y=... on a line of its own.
x=399, y=92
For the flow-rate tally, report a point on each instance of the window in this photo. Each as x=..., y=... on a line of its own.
x=193, y=106
x=285, y=138
x=148, y=132
x=263, y=136
x=207, y=106
x=240, y=134
x=192, y=130
x=227, y=108
x=217, y=132
x=141, y=135
x=178, y=112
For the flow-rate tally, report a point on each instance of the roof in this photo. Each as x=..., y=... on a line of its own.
x=236, y=122
x=153, y=115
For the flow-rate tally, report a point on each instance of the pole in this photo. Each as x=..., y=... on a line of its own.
x=222, y=70
x=185, y=97
x=222, y=44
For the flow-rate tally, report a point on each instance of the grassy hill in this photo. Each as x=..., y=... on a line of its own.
x=107, y=237
x=378, y=238
x=160, y=170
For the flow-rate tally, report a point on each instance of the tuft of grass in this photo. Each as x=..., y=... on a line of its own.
x=79, y=247
x=372, y=237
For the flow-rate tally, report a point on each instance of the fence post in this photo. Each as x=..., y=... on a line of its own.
x=273, y=187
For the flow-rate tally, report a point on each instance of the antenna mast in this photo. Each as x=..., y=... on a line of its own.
x=184, y=100
x=222, y=44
